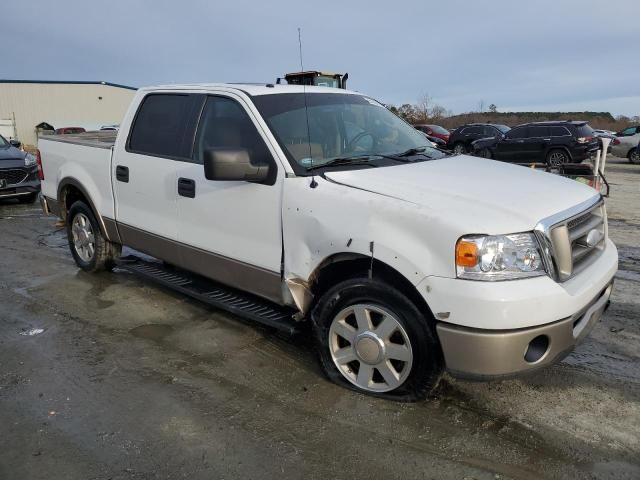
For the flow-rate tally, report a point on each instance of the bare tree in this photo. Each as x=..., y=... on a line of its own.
x=481, y=106
x=423, y=108
x=493, y=108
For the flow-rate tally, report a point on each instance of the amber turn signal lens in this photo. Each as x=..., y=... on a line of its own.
x=466, y=254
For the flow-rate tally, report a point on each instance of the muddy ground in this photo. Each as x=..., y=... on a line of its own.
x=131, y=381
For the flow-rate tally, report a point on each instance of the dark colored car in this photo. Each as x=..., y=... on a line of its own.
x=18, y=173
x=434, y=131
x=461, y=139
x=69, y=130
x=553, y=143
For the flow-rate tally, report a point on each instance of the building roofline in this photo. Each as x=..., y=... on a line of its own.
x=69, y=82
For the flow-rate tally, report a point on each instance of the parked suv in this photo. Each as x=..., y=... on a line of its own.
x=461, y=138
x=554, y=143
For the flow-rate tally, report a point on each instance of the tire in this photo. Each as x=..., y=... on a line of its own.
x=28, y=198
x=633, y=156
x=459, y=149
x=485, y=153
x=557, y=157
x=91, y=251
x=410, y=357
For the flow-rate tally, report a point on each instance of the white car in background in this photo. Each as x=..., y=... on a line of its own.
x=625, y=145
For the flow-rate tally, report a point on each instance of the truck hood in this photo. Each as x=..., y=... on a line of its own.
x=482, y=196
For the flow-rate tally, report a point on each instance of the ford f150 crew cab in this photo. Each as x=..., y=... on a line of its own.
x=286, y=203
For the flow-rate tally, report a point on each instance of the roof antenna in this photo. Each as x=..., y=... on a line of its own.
x=313, y=183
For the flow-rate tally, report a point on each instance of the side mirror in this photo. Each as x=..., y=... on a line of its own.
x=232, y=164
x=15, y=143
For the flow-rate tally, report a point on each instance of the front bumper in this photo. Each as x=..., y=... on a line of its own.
x=480, y=353
x=22, y=189
x=487, y=326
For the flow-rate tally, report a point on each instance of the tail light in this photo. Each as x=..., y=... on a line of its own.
x=39, y=164
x=584, y=139
x=615, y=142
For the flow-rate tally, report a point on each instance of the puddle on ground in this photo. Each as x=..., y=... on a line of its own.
x=152, y=331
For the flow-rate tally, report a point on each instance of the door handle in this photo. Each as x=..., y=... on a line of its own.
x=122, y=174
x=186, y=187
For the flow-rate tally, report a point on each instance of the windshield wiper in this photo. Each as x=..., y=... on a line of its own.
x=413, y=151
x=337, y=162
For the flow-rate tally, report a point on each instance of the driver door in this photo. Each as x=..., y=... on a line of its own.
x=231, y=231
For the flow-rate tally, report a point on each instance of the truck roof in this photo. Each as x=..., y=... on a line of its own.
x=251, y=89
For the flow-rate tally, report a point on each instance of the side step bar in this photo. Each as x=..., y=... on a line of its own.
x=219, y=296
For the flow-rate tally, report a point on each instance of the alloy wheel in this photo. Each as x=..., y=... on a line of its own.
x=370, y=348
x=83, y=237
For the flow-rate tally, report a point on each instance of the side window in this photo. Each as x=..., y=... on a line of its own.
x=490, y=131
x=474, y=130
x=539, y=132
x=520, y=132
x=559, y=132
x=165, y=125
x=225, y=124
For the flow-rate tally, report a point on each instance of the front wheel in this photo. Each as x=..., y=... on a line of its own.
x=633, y=156
x=373, y=339
x=90, y=249
x=485, y=153
x=459, y=149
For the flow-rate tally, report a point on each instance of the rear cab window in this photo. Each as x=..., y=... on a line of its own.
x=165, y=125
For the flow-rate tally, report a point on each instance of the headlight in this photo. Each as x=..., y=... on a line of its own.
x=499, y=257
x=29, y=160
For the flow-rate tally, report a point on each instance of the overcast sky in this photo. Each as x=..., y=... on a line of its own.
x=523, y=55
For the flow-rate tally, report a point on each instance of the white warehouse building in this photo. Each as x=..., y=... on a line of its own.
x=28, y=105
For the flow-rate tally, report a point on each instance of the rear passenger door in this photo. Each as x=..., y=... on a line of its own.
x=231, y=231
x=144, y=170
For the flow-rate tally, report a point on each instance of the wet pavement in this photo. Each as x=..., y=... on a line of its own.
x=111, y=377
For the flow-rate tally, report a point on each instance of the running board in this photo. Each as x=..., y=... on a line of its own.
x=219, y=296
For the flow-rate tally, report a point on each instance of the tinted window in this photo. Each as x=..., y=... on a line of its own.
x=519, y=132
x=164, y=125
x=491, y=132
x=628, y=131
x=439, y=130
x=225, y=124
x=559, y=131
x=539, y=131
x=474, y=130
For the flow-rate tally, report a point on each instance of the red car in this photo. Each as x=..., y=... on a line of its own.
x=69, y=130
x=434, y=131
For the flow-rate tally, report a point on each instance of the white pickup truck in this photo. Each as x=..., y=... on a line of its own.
x=284, y=204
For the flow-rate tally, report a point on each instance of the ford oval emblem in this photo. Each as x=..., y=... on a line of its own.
x=593, y=238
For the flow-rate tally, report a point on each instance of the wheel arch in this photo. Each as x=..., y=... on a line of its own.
x=343, y=266
x=70, y=190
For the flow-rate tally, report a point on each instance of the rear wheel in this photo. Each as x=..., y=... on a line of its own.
x=90, y=249
x=556, y=158
x=633, y=156
x=459, y=148
x=373, y=339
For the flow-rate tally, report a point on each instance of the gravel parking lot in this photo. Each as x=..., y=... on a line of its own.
x=128, y=380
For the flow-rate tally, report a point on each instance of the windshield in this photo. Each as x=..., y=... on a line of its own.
x=339, y=126
x=503, y=128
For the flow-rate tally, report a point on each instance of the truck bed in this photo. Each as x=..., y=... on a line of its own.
x=98, y=139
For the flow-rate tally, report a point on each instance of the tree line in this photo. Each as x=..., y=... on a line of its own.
x=428, y=111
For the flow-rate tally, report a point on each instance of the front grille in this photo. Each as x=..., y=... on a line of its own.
x=14, y=176
x=576, y=242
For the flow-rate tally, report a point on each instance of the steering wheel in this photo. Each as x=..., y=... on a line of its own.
x=359, y=137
